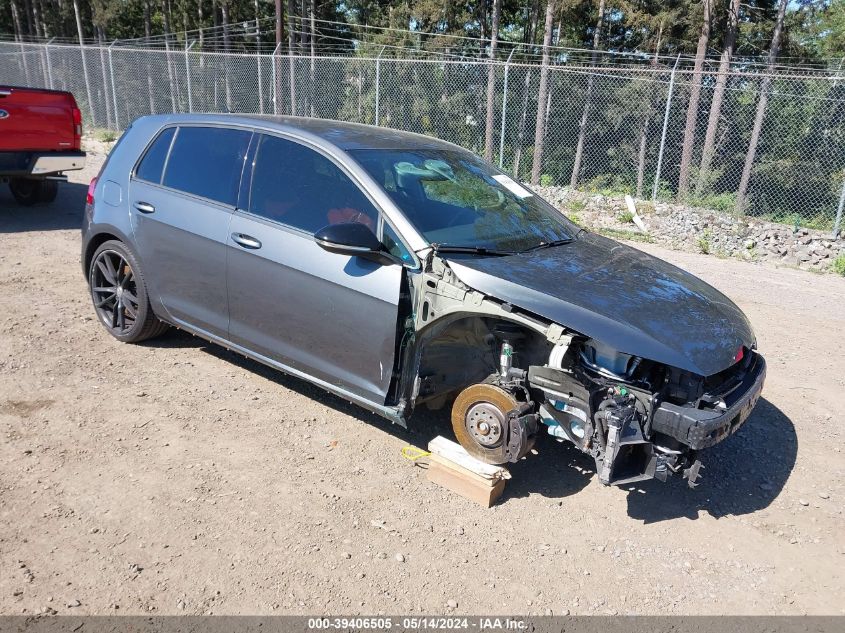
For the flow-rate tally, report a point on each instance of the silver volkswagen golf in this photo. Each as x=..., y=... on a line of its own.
x=394, y=270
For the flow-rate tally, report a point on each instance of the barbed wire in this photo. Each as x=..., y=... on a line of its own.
x=348, y=38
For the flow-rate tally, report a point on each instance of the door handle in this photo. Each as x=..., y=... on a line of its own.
x=145, y=207
x=247, y=241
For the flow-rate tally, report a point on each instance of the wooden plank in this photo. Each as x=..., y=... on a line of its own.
x=462, y=472
x=472, y=487
x=456, y=453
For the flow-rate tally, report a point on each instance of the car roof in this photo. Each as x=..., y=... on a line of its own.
x=340, y=134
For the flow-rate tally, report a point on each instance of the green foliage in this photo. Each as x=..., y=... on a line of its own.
x=724, y=202
x=545, y=180
x=704, y=241
x=626, y=217
x=106, y=136
x=838, y=265
x=610, y=185
x=622, y=234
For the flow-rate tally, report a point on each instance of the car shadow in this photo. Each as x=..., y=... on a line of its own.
x=741, y=475
x=65, y=212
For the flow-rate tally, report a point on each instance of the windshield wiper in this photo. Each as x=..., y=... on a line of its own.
x=550, y=244
x=473, y=250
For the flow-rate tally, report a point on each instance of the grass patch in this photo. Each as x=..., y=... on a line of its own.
x=626, y=217
x=704, y=241
x=621, y=234
x=105, y=136
x=838, y=265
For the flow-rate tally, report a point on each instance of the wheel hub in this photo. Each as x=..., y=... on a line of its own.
x=485, y=423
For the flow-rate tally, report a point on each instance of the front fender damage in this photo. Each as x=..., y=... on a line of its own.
x=636, y=418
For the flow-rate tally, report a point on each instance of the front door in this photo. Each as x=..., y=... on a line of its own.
x=181, y=199
x=333, y=317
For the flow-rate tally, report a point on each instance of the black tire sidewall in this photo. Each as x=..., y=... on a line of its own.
x=48, y=191
x=136, y=332
x=26, y=191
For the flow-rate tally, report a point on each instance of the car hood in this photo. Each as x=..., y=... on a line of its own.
x=636, y=303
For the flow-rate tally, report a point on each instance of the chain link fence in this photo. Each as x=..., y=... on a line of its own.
x=609, y=129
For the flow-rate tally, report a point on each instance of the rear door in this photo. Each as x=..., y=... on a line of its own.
x=181, y=197
x=330, y=316
x=36, y=120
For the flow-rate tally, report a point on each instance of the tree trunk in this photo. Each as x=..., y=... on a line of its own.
x=165, y=9
x=692, y=107
x=201, y=23
x=303, y=35
x=42, y=20
x=147, y=35
x=84, y=62
x=35, y=21
x=312, y=40
x=27, y=10
x=215, y=20
x=16, y=22
x=542, y=92
x=646, y=122
x=774, y=49
x=491, y=81
x=291, y=48
x=523, y=121
x=532, y=15
x=280, y=35
x=19, y=36
x=224, y=11
x=147, y=21
x=588, y=98
x=718, y=97
x=530, y=29
x=280, y=23
x=106, y=97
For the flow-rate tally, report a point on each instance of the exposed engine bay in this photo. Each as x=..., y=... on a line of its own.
x=514, y=377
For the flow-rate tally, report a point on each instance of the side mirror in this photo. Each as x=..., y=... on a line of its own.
x=352, y=238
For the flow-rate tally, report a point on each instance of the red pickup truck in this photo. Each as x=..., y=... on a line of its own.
x=40, y=139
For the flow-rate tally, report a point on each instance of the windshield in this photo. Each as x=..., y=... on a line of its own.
x=456, y=199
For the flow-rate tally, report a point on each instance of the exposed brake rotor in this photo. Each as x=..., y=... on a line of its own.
x=484, y=424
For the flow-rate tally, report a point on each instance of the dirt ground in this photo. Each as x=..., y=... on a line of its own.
x=175, y=477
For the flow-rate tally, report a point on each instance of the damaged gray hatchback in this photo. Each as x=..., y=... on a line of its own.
x=396, y=270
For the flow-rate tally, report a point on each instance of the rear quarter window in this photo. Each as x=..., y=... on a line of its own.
x=207, y=162
x=152, y=164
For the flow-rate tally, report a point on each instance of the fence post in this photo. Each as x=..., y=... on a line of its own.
x=504, y=109
x=665, y=126
x=87, y=84
x=113, y=89
x=188, y=74
x=260, y=81
x=275, y=80
x=378, y=81
x=49, y=64
x=837, y=225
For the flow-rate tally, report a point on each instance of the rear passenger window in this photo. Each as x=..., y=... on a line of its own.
x=207, y=162
x=153, y=162
x=297, y=186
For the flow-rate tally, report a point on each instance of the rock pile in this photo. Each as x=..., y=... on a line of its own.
x=701, y=230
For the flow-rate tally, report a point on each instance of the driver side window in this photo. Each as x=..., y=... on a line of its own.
x=295, y=185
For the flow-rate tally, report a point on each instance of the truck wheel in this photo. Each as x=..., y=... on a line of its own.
x=49, y=190
x=30, y=191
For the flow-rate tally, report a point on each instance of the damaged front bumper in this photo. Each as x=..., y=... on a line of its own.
x=636, y=432
x=703, y=428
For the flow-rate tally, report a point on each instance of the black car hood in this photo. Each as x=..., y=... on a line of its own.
x=620, y=296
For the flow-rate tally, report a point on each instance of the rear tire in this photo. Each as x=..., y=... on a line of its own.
x=119, y=293
x=32, y=191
